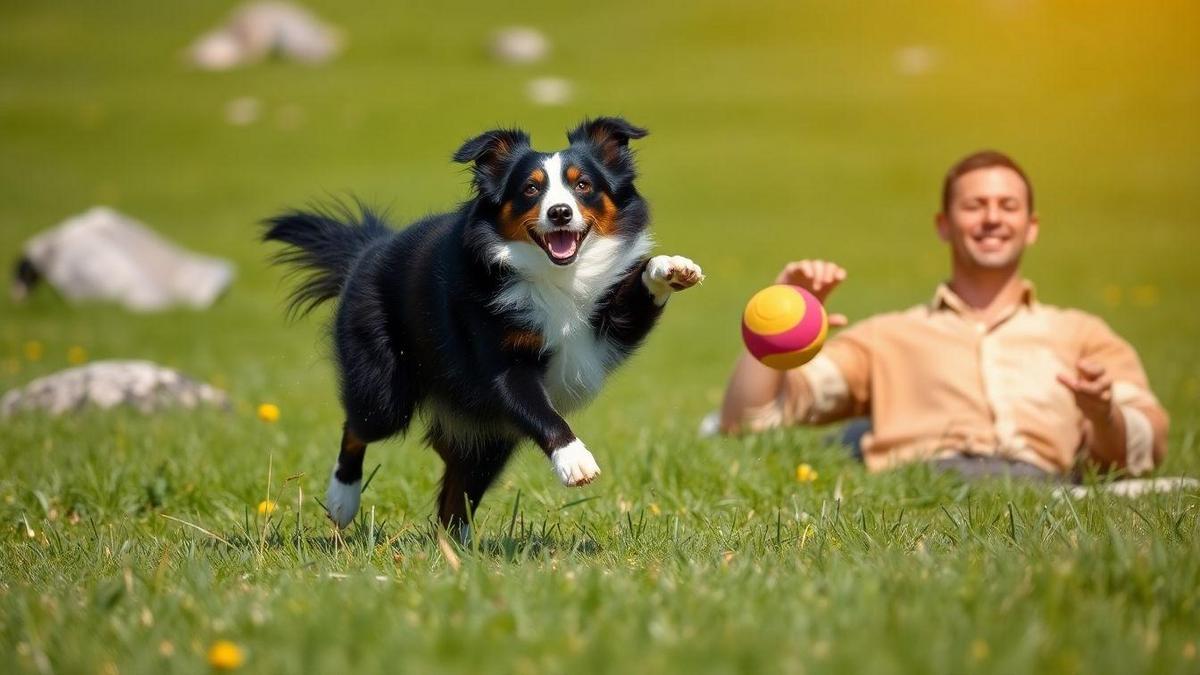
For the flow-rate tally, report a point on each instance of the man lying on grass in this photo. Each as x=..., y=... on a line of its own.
x=983, y=379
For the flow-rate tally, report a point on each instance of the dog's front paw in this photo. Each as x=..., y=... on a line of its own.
x=574, y=465
x=666, y=274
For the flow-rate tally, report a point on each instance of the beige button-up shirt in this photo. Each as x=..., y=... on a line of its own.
x=937, y=383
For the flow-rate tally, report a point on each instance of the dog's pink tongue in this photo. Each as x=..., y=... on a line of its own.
x=561, y=244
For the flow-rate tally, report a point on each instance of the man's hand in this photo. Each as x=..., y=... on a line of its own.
x=1092, y=388
x=818, y=277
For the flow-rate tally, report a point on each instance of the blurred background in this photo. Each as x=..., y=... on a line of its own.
x=779, y=130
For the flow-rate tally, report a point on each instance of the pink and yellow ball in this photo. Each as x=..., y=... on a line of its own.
x=784, y=326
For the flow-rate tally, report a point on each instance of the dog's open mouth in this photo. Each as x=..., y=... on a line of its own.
x=560, y=245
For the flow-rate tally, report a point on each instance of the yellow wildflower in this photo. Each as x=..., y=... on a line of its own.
x=1112, y=295
x=1146, y=295
x=34, y=350
x=76, y=355
x=1189, y=651
x=805, y=473
x=266, y=507
x=979, y=650
x=268, y=412
x=654, y=509
x=225, y=655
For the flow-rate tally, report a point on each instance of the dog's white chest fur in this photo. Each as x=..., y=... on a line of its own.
x=578, y=368
x=558, y=302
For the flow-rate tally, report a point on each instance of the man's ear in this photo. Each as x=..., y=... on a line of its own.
x=1031, y=234
x=492, y=154
x=609, y=140
x=943, y=226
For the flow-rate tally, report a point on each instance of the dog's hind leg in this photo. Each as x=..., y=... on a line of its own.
x=345, y=485
x=379, y=403
x=471, y=467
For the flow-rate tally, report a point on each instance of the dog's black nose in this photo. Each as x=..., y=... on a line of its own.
x=559, y=214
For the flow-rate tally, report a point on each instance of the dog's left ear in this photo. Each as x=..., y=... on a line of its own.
x=492, y=153
x=609, y=138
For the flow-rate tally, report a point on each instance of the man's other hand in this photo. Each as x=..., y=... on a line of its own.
x=818, y=277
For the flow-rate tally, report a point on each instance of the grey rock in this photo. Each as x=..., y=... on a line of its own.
x=142, y=385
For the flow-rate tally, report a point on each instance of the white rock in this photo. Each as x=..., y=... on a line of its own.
x=519, y=44
x=104, y=255
x=243, y=111
x=915, y=60
x=549, y=91
x=216, y=50
x=258, y=30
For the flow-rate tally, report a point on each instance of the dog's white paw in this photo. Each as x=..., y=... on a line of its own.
x=341, y=501
x=574, y=465
x=665, y=274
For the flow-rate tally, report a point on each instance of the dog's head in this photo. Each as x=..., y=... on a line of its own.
x=557, y=202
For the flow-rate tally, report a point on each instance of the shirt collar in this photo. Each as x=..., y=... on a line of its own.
x=945, y=298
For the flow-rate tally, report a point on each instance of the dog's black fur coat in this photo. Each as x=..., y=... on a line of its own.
x=420, y=325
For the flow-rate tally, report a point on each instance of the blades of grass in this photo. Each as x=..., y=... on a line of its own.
x=197, y=527
x=371, y=477
x=512, y=521
x=1074, y=514
x=953, y=539
x=262, y=535
x=577, y=502
x=1143, y=517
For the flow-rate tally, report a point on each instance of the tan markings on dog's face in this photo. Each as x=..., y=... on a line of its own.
x=602, y=216
x=573, y=174
x=523, y=340
x=515, y=226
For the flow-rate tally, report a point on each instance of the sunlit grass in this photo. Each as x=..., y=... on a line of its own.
x=140, y=544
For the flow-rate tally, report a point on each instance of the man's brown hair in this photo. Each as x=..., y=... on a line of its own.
x=984, y=159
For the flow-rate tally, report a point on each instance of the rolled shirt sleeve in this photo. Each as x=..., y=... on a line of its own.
x=1145, y=419
x=833, y=386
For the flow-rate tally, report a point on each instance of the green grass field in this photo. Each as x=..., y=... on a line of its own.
x=779, y=131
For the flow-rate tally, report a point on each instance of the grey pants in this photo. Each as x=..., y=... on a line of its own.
x=975, y=466
x=967, y=466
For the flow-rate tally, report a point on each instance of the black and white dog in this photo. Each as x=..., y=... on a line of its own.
x=494, y=320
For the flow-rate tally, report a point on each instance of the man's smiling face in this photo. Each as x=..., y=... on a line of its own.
x=988, y=221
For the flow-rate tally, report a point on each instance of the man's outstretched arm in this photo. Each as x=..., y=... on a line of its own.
x=758, y=397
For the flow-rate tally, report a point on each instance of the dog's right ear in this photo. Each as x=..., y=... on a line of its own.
x=492, y=154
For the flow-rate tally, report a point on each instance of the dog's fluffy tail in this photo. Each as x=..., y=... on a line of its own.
x=322, y=245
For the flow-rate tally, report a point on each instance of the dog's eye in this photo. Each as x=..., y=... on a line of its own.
x=530, y=190
x=583, y=187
